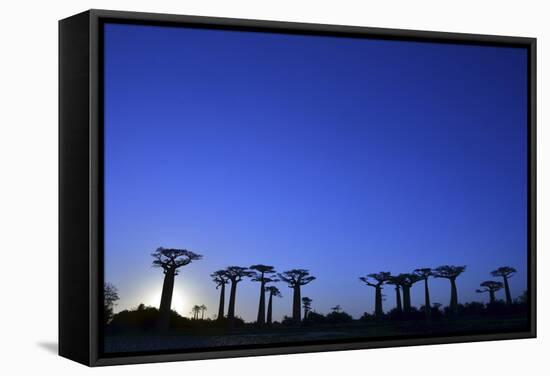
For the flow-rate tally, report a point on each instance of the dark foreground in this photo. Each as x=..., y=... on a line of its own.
x=180, y=339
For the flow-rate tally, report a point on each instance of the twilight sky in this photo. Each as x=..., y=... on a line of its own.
x=343, y=156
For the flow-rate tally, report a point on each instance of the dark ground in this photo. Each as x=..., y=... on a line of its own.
x=180, y=339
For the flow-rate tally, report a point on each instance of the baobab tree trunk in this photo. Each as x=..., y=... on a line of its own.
x=491, y=297
x=454, y=298
x=427, y=305
x=507, y=290
x=378, y=312
x=232, y=296
x=269, y=309
x=305, y=313
x=398, y=299
x=221, y=308
x=261, y=308
x=407, y=299
x=166, y=300
x=296, y=312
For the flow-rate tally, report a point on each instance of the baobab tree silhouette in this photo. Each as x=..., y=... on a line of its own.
x=505, y=272
x=424, y=274
x=221, y=279
x=195, y=310
x=170, y=260
x=336, y=309
x=407, y=280
x=203, y=309
x=396, y=281
x=451, y=272
x=380, y=279
x=273, y=291
x=296, y=278
x=491, y=287
x=306, y=304
x=235, y=275
x=262, y=274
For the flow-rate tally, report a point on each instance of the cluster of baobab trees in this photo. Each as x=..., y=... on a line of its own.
x=265, y=275
x=198, y=309
x=170, y=260
x=403, y=283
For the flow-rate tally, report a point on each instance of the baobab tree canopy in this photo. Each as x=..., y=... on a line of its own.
x=504, y=271
x=490, y=286
x=379, y=278
x=220, y=277
x=273, y=290
x=449, y=271
x=408, y=279
x=237, y=273
x=170, y=259
x=296, y=277
x=424, y=272
x=261, y=271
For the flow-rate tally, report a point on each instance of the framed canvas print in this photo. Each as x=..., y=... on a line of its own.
x=238, y=187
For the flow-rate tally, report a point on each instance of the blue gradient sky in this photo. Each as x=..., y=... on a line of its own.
x=343, y=156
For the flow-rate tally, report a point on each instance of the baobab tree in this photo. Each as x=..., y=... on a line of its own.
x=262, y=274
x=491, y=287
x=336, y=309
x=407, y=280
x=170, y=260
x=296, y=278
x=235, y=275
x=203, y=309
x=451, y=272
x=505, y=272
x=424, y=274
x=380, y=279
x=195, y=310
x=273, y=291
x=220, y=278
x=306, y=303
x=396, y=281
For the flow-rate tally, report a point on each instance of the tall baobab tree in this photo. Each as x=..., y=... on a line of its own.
x=407, y=280
x=424, y=274
x=273, y=291
x=235, y=275
x=262, y=274
x=220, y=278
x=296, y=278
x=379, y=280
x=306, y=303
x=491, y=287
x=170, y=260
x=505, y=272
x=396, y=281
x=203, y=309
x=451, y=272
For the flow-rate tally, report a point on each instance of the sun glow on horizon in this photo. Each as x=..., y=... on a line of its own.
x=180, y=301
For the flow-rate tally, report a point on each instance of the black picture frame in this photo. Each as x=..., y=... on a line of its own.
x=81, y=180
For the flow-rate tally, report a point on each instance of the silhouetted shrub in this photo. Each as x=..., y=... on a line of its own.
x=394, y=314
x=367, y=317
x=338, y=318
x=314, y=318
x=287, y=321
